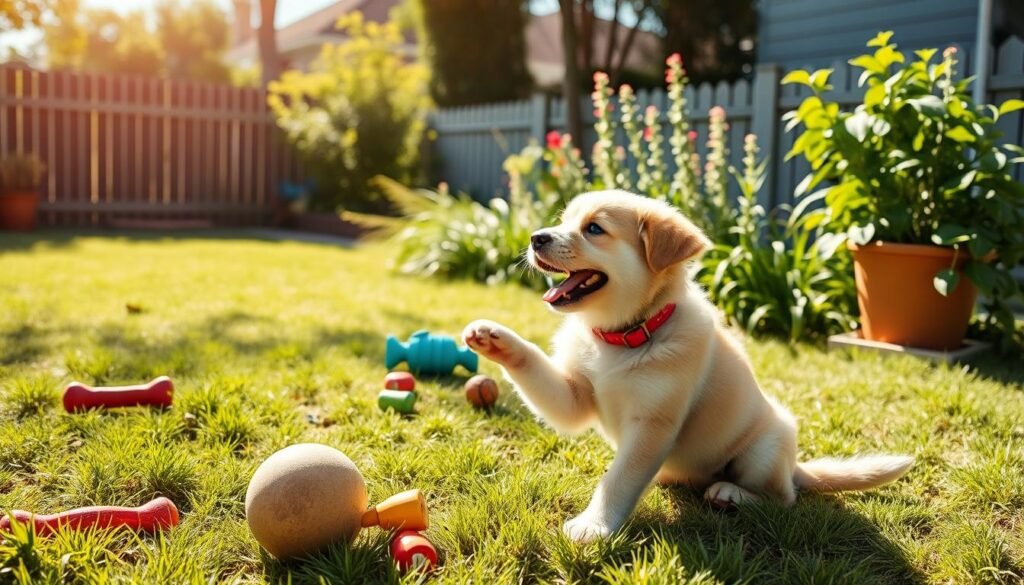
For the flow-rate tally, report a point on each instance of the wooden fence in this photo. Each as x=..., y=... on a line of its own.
x=473, y=141
x=144, y=150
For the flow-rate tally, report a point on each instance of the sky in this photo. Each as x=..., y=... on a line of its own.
x=288, y=11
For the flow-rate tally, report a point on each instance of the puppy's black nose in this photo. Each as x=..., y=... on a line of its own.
x=539, y=240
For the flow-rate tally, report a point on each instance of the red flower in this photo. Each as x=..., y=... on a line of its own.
x=674, y=59
x=692, y=135
x=648, y=133
x=554, y=139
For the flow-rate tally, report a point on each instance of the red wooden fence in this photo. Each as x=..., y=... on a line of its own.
x=131, y=149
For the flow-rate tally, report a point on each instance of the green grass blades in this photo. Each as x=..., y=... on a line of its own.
x=272, y=343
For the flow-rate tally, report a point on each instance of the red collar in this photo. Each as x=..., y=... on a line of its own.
x=638, y=334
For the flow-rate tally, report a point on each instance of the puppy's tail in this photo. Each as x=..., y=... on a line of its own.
x=856, y=473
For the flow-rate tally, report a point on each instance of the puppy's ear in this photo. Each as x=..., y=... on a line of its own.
x=669, y=238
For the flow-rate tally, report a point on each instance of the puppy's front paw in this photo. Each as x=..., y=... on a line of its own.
x=586, y=528
x=493, y=341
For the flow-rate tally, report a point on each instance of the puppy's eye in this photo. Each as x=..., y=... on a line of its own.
x=594, y=229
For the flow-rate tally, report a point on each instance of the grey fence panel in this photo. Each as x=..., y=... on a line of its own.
x=472, y=142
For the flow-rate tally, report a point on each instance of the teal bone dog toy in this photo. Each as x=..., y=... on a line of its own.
x=429, y=354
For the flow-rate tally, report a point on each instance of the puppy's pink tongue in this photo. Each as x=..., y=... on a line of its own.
x=575, y=279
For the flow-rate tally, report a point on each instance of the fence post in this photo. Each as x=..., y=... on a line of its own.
x=538, y=117
x=763, y=123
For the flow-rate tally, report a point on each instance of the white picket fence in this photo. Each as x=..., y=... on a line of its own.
x=472, y=141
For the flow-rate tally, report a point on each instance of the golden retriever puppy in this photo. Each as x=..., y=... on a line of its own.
x=643, y=358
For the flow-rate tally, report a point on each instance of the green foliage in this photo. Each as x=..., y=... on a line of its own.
x=465, y=40
x=918, y=162
x=360, y=112
x=774, y=277
x=183, y=40
x=787, y=278
x=18, y=14
x=194, y=37
x=455, y=236
x=20, y=173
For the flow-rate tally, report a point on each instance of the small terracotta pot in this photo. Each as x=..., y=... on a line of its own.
x=18, y=210
x=899, y=303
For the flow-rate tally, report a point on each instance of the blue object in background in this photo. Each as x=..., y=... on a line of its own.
x=429, y=354
x=294, y=191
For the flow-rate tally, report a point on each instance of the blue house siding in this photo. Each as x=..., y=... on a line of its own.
x=800, y=33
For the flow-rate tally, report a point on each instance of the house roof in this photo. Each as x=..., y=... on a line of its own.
x=316, y=28
x=543, y=38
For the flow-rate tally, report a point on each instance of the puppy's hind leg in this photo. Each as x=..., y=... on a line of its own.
x=764, y=469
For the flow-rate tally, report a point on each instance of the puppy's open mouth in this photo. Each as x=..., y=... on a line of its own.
x=578, y=284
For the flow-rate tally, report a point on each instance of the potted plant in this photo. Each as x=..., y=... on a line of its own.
x=923, y=190
x=20, y=176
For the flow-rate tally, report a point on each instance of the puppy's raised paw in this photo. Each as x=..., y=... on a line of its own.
x=586, y=528
x=495, y=342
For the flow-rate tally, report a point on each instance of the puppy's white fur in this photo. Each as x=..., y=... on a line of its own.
x=683, y=408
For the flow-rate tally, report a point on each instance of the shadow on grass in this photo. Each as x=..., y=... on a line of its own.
x=114, y=350
x=1000, y=369
x=66, y=238
x=817, y=540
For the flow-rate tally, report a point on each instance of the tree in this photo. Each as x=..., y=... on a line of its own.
x=571, y=83
x=714, y=37
x=103, y=40
x=611, y=57
x=466, y=42
x=580, y=29
x=183, y=41
x=17, y=14
x=194, y=39
x=266, y=36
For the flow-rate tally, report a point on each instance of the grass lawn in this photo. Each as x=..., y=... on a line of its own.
x=272, y=343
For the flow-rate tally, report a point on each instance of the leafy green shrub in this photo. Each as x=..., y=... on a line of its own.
x=360, y=112
x=918, y=162
x=785, y=278
x=455, y=236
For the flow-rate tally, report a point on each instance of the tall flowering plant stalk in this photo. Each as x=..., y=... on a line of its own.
x=714, y=207
x=606, y=164
x=684, y=181
x=632, y=121
x=655, y=179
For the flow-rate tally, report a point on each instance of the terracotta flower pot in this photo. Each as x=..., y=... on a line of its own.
x=899, y=303
x=18, y=210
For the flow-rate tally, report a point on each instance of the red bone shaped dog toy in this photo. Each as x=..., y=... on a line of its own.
x=159, y=392
x=149, y=517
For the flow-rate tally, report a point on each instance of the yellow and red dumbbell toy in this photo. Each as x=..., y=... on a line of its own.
x=399, y=393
